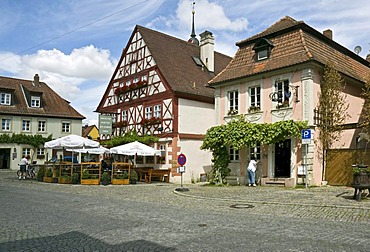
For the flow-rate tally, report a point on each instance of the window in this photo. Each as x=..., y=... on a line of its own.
x=255, y=151
x=124, y=115
x=255, y=98
x=157, y=111
x=42, y=126
x=262, y=54
x=40, y=153
x=233, y=102
x=148, y=112
x=234, y=154
x=26, y=152
x=26, y=125
x=283, y=92
x=35, y=102
x=4, y=98
x=66, y=127
x=5, y=124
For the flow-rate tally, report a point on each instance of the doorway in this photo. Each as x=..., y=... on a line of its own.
x=4, y=158
x=282, y=159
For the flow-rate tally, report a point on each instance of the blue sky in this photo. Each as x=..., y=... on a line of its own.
x=74, y=46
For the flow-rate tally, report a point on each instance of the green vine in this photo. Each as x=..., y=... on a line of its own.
x=129, y=137
x=33, y=140
x=239, y=133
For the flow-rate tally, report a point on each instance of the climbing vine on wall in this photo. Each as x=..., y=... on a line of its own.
x=36, y=141
x=240, y=133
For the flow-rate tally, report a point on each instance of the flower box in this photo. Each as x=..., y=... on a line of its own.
x=120, y=181
x=90, y=181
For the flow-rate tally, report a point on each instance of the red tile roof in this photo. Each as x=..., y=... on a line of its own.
x=52, y=105
x=294, y=43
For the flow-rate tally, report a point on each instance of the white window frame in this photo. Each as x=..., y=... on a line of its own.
x=66, y=127
x=233, y=100
x=26, y=152
x=157, y=111
x=282, y=86
x=41, y=126
x=262, y=54
x=124, y=115
x=255, y=99
x=26, y=125
x=5, y=98
x=5, y=124
x=255, y=151
x=35, y=102
x=40, y=152
x=234, y=154
x=148, y=112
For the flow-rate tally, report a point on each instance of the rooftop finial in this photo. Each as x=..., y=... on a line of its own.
x=193, y=38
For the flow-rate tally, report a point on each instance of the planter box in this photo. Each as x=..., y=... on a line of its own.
x=120, y=181
x=65, y=180
x=47, y=179
x=90, y=181
x=362, y=179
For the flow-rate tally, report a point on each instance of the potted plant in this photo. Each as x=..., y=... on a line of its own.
x=65, y=179
x=90, y=178
x=133, y=177
x=75, y=178
x=48, y=175
x=55, y=175
x=105, y=178
x=120, y=178
x=41, y=173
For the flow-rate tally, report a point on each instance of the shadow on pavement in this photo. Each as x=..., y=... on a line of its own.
x=76, y=241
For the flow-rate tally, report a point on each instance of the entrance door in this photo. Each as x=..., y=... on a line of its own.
x=4, y=158
x=282, y=159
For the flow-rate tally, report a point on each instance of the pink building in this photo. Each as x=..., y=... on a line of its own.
x=274, y=76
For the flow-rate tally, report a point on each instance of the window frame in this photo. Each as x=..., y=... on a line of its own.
x=26, y=125
x=5, y=98
x=148, y=113
x=255, y=100
x=233, y=154
x=37, y=100
x=255, y=151
x=64, y=129
x=233, y=100
x=6, y=124
x=282, y=87
x=43, y=126
x=157, y=111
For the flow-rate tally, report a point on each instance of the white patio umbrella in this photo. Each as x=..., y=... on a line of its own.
x=135, y=148
x=99, y=150
x=71, y=142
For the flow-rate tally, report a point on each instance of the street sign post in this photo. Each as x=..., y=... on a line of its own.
x=181, y=160
x=306, y=140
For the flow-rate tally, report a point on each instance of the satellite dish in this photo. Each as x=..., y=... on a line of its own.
x=358, y=49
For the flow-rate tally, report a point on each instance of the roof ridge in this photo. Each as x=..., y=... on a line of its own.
x=309, y=54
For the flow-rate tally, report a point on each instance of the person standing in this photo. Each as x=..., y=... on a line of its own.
x=23, y=165
x=252, y=167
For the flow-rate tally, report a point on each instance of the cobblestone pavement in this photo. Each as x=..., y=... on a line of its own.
x=155, y=217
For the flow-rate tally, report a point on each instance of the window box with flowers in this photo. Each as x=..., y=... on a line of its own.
x=121, y=90
x=254, y=109
x=151, y=121
x=232, y=112
x=120, y=124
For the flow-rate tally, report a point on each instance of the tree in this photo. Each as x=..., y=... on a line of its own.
x=365, y=115
x=332, y=107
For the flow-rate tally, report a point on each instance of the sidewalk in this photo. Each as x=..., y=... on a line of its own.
x=328, y=196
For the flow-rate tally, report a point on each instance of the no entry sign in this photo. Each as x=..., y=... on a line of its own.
x=181, y=159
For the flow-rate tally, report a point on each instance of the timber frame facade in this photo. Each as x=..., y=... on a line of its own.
x=159, y=88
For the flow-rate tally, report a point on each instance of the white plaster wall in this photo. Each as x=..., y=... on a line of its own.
x=195, y=117
x=197, y=161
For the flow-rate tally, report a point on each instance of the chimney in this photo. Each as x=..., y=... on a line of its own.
x=36, y=80
x=368, y=57
x=207, y=43
x=328, y=33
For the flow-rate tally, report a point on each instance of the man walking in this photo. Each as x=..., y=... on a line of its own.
x=23, y=165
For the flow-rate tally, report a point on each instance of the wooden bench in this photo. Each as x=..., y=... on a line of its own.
x=161, y=175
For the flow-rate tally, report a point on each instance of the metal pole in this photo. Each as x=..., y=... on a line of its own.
x=306, y=166
x=181, y=179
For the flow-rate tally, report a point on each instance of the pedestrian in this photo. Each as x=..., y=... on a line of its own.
x=23, y=165
x=252, y=167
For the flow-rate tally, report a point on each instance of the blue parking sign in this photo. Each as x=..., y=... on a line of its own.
x=306, y=136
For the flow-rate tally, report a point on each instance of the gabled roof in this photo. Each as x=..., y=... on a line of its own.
x=87, y=129
x=174, y=58
x=52, y=105
x=294, y=43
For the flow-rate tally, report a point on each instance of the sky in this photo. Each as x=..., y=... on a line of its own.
x=74, y=45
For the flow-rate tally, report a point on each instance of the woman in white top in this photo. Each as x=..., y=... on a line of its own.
x=252, y=167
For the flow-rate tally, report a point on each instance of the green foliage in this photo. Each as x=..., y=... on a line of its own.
x=67, y=178
x=133, y=176
x=365, y=115
x=36, y=141
x=105, y=176
x=41, y=173
x=85, y=174
x=49, y=173
x=239, y=133
x=358, y=170
x=75, y=178
x=129, y=137
x=124, y=175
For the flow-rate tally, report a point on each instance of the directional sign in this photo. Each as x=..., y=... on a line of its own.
x=181, y=159
x=306, y=136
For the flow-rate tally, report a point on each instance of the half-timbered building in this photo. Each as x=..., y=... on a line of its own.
x=159, y=88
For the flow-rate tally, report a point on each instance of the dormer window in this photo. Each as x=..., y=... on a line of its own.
x=263, y=48
x=35, y=102
x=5, y=98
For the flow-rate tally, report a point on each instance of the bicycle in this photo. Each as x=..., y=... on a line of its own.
x=30, y=172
